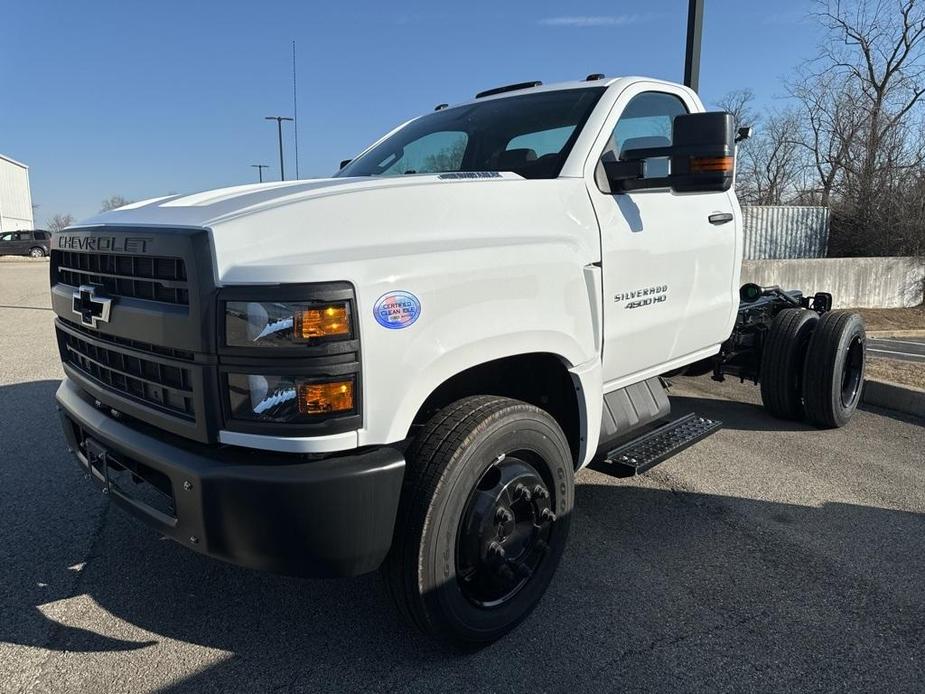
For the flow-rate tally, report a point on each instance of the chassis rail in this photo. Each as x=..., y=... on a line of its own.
x=740, y=355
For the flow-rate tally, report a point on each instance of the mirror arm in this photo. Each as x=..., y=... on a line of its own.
x=646, y=153
x=644, y=183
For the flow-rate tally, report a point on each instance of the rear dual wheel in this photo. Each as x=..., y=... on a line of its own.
x=833, y=373
x=483, y=519
x=782, y=362
x=812, y=368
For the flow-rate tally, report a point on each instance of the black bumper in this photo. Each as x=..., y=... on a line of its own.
x=331, y=516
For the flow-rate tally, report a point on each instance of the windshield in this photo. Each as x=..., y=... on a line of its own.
x=530, y=135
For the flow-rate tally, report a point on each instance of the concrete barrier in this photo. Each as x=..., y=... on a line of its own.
x=895, y=397
x=853, y=282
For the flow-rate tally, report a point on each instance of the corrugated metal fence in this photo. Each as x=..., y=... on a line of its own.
x=785, y=231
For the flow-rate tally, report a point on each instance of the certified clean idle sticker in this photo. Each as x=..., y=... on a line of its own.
x=397, y=310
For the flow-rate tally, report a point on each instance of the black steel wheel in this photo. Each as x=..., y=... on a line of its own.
x=833, y=373
x=483, y=519
x=782, y=358
x=505, y=530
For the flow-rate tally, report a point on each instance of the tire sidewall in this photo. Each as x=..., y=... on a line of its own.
x=437, y=568
x=854, y=328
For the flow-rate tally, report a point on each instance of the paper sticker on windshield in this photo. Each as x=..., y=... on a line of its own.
x=397, y=310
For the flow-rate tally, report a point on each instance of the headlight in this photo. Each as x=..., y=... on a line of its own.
x=285, y=324
x=288, y=399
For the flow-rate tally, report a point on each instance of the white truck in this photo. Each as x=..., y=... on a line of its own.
x=403, y=366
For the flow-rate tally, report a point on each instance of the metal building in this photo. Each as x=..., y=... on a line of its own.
x=785, y=231
x=15, y=196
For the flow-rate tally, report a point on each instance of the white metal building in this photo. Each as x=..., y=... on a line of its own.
x=15, y=196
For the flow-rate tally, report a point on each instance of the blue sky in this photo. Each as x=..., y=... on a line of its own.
x=146, y=98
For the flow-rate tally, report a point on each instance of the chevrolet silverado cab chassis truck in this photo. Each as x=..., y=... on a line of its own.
x=403, y=366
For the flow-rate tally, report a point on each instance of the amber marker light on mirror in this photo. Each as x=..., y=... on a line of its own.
x=324, y=398
x=711, y=164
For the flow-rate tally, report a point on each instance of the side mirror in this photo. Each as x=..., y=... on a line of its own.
x=702, y=155
x=702, y=152
x=345, y=162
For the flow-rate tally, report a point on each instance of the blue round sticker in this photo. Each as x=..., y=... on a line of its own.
x=397, y=310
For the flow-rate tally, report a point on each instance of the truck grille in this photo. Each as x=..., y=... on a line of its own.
x=163, y=386
x=134, y=276
x=169, y=352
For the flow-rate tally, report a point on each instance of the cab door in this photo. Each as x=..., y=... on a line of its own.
x=670, y=261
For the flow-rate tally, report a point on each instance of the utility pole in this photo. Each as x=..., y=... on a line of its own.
x=295, y=114
x=279, y=127
x=260, y=168
x=694, y=35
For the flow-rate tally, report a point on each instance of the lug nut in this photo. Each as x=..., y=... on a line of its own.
x=522, y=493
x=187, y=485
x=194, y=539
x=496, y=550
x=540, y=492
x=548, y=515
x=502, y=516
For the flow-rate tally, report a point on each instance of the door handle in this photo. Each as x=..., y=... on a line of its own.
x=720, y=217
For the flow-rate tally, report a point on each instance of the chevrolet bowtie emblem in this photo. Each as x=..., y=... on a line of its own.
x=90, y=307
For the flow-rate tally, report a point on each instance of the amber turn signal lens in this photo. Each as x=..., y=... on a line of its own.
x=322, y=322
x=322, y=398
x=711, y=165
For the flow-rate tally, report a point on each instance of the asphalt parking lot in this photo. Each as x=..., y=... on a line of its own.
x=769, y=557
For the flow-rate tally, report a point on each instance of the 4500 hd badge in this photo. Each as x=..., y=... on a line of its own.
x=647, y=296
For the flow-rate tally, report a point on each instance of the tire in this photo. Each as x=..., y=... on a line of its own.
x=444, y=572
x=36, y=252
x=781, y=373
x=833, y=372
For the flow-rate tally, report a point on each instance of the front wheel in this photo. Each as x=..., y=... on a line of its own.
x=483, y=519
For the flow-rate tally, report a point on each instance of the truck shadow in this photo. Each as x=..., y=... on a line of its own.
x=658, y=590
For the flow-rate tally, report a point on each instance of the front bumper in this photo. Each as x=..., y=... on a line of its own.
x=331, y=516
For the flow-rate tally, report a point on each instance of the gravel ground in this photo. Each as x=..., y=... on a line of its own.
x=768, y=557
x=894, y=318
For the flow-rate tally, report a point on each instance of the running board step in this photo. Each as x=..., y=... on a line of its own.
x=647, y=451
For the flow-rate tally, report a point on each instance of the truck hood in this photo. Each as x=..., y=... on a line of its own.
x=338, y=228
x=213, y=207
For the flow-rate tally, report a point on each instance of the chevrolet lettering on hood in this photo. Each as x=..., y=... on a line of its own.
x=118, y=244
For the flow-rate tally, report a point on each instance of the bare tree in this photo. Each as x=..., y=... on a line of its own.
x=59, y=222
x=114, y=202
x=773, y=159
x=771, y=162
x=874, y=56
x=739, y=102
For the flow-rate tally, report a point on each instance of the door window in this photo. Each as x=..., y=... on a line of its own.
x=647, y=122
x=10, y=236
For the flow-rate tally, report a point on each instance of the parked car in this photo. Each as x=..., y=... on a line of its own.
x=32, y=242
